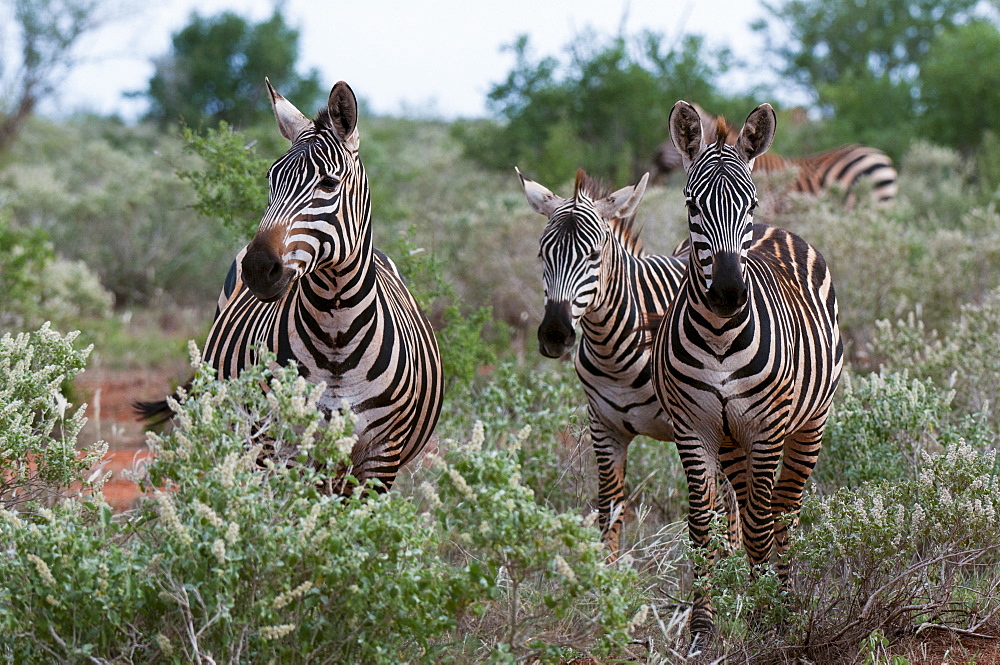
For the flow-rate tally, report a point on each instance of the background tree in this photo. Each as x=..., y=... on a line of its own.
x=960, y=85
x=604, y=109
x=860, y=60
x=216, y=67
x=42, y=34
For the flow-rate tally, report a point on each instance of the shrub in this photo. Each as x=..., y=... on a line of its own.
x=882, y=426
x=964, y=357
x=232, y=563
x=892, y=556
x=76, y=181
x=24, y=255
x=38, y=427
x=934, y=260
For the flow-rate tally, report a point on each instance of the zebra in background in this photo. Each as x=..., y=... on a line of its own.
x=596, y=275
x=840, y=169
x=747, y=361
x=311, y=288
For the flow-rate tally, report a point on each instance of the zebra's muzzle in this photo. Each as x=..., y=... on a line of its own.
x=728, y=293
x=556, y=336
x=265, y=274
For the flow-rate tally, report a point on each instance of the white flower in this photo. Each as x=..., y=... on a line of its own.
x=219, y=550
x=276, y=632
x=43, y=569
x=287, y=597
x=564, y=569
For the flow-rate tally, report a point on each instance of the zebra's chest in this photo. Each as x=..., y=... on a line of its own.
x=621, y=393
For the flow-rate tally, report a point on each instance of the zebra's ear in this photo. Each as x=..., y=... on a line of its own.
x=539, y=198
x=686, y=132
x=291, y=122
x=343, y=108
x=757, y=133
x=622, y=204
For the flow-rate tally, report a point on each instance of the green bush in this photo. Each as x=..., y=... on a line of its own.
x=964, y=356
x=77, y=182
x=24, y=255
x=883, y=424
x=604, y=108
x=894, y=556
x=38, y=426
x=935, y=250
x=230, y=562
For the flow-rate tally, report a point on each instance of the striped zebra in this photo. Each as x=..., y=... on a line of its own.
x=748, y=358
x=840, y=169
x=311, y=288
x=597, y=276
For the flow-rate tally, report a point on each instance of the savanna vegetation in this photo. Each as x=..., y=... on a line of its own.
x=487, y=550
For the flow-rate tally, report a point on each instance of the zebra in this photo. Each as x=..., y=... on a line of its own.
x=597, y=276
x=311, y=288
x=841, y=169
x=747, y=361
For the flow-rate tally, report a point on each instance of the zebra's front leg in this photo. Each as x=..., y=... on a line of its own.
x=758, y=523
x=701, y=470
x=798, y=462
x=611, y=450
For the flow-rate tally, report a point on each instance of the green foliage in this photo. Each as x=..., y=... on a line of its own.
x=75, y=181
x=963, y=356
x=883, y=425
x=894, y=555
x=231, y=181
x=236, y=563
x=605, y=109
x=216, y=67
x=935, y=249
x=24, y=254
x=848, y=53
x=988, y=167
x=38, y=427
x=962, y=63
x=555, y=463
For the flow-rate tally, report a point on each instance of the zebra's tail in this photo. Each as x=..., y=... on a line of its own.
x=156, y=412
x=153, y=413
x=650, y=324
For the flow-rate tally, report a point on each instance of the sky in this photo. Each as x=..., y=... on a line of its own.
x=427, y=58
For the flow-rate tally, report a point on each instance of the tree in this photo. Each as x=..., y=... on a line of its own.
x=861, y=59
x=216, y=68
x=605, y=109
x=44, y=33
x=830, y=40
x=960, y=85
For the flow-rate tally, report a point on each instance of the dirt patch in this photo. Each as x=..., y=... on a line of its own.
x=109, y=395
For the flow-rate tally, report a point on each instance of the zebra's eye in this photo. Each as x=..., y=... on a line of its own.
x=595, y=255
x=693, y=208
x=753, y=207
x=328, y=182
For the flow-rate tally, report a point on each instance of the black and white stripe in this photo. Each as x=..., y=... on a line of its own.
x=598, y=278
x=311, y=288
x=747, y=361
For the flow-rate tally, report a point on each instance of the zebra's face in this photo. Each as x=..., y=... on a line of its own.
x=572, y=251
x=317, y=197
x=571, y=247
x=721, y=198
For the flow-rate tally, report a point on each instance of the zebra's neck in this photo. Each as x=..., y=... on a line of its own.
x=613, y=326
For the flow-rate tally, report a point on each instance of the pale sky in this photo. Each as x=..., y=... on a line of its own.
x=438, y=57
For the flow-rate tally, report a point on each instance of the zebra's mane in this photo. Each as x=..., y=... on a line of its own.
x=623, y=229
x=723, y=132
